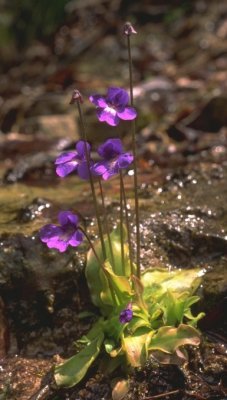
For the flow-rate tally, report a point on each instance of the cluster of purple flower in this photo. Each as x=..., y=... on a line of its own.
x=110, y=109
x=113, y=159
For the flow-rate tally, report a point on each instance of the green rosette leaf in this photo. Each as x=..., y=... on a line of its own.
x=156, y=282
x=136, y=348
x=96, y=278
x=74, y=369
x=168, y=339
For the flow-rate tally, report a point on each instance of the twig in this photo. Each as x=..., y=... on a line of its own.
x=159, y=396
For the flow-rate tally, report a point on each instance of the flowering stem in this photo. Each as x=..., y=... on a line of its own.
x=130, y=69
x=107, y=225
x=100, y=263
x=121, y=228
x=127, y=221
x=134, y=162
x=84, y=136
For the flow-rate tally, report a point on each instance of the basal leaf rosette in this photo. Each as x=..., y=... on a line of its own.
x=150, y=316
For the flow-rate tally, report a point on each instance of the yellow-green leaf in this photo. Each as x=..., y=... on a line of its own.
x=135, y=348
x=168, y=338
x=74, y=369
x=120, y=284
x=176, y=281
x=96, y=280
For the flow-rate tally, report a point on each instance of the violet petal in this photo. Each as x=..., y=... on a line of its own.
x=80, y=147
x=108, y=115
x=128, y=114
x=99, y=168
x=49, y=232
x=98, y=101
x=117, y=96
x=83, y=170
x=63, y=170
x=125, y=316
x=76, y=239
x=67, y=217
x=112, y=169
x=110, y=149
x=65, y=157
x=124, y=160
x=58, y=244
x=108, y=174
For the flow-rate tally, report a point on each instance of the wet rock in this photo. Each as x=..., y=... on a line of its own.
x=188, y=230
x=33, y=210
x=215, y=292
x=36, y=285
x=215, y=305
x=181, y=239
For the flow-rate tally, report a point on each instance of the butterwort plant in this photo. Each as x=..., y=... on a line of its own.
x=140, y=313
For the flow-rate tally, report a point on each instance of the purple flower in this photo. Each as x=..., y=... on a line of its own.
x=67, y=234
x=113, y=107
x=126, y=315
x=114, y=159
x=74, y=161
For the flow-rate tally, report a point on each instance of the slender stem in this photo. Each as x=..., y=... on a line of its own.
x=127, y=222
x=122, y=229
x=100, y=263
x=107, y=225
x=135, y=161
x=130, y=69
x=91, y=181
x=159, y=396
x=91, y=244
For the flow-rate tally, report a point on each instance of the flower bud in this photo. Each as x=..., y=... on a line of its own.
x=128, y=29
x=76, y=96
